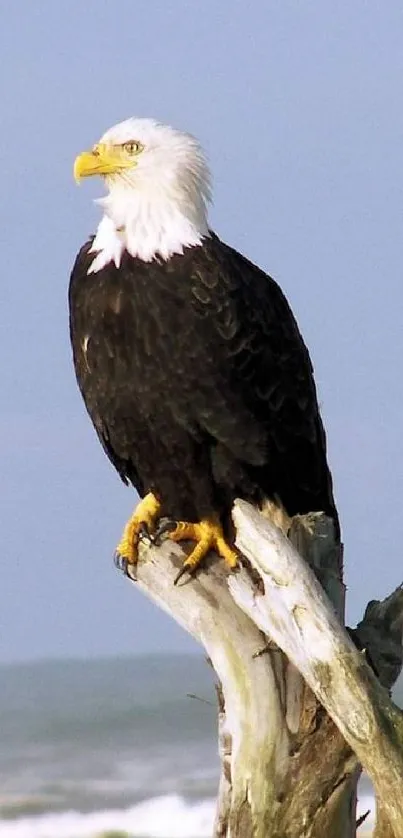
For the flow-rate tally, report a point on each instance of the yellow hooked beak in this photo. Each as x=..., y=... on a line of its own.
x=103, y=159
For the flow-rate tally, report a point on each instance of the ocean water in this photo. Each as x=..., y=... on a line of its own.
x=104, y=746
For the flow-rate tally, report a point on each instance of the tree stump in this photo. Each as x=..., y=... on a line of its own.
x=300, y=709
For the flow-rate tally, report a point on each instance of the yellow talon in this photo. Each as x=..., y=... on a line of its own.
x=144, y=517
x=208, y=536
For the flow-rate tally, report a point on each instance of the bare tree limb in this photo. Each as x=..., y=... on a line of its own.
x=295, y=611
x=205, y=608
x=287, y=770
x=381, y=632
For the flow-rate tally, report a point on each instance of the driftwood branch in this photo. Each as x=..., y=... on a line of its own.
x=205, y=608
x=296, y=613
x=287, y=769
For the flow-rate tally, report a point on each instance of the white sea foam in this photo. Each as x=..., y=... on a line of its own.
x=160, y=817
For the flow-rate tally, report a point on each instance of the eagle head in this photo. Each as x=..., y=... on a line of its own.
x=158, y=186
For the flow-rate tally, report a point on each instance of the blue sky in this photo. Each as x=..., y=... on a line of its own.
x=299, y=108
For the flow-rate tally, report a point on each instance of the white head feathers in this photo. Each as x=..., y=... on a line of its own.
x=158, y=206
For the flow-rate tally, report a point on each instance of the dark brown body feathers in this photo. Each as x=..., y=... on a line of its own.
x=198, y=382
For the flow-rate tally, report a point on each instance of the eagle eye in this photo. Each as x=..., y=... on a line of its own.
x=132, y=147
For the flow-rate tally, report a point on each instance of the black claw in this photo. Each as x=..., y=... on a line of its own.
x=184, y=569
x=165, y=526
x=117, y=560
x=125, y=567
x=130, y=571
x=144, y=534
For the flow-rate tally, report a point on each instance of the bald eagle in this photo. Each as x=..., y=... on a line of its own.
x=188, y=357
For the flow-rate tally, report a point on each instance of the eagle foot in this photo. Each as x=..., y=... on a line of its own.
x=138, y=528
x=209, y=536
x=164, y=527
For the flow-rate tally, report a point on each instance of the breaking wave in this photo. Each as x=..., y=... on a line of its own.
x=170, y=816
x=161, y=817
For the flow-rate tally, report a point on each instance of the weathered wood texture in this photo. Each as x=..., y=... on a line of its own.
x=253, y=771
x=296, y=613
x=287, y=770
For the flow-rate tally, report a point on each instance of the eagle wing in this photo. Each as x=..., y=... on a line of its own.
x=103, y=360
x=264, y=409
